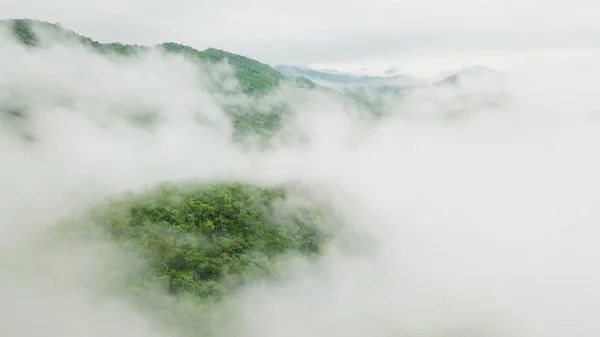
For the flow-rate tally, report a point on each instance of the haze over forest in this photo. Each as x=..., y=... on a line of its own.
x=161, y=190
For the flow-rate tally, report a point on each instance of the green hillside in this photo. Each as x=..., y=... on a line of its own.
x=204, y=239
x=253, y=119
x=198, y=242
x=255, y=78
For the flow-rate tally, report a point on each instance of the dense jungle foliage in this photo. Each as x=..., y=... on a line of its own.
x=202, y=241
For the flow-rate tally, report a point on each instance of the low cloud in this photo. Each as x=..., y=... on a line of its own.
x=483, y=226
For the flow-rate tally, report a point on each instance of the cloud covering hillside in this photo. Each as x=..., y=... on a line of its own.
x=430, y=221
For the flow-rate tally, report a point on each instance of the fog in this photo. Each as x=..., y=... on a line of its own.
x=483, y=226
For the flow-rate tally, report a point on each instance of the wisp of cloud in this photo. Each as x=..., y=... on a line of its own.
x=481, y=226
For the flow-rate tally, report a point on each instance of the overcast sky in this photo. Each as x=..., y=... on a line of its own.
x=330, y=32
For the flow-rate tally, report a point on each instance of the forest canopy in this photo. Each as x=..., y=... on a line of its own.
x=205, y=240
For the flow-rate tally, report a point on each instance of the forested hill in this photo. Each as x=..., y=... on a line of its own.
x=253, y=118
x=254, y=77
x=190, y=243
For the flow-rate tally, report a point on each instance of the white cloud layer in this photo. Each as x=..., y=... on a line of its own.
x=486, y=225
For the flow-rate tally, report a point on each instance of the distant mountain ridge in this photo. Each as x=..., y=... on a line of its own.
x=340, y=78
x=392, y=77
x=469, y=74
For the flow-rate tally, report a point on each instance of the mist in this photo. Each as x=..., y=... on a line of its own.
x=482, y=226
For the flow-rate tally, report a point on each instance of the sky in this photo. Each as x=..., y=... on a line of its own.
x=334, y=33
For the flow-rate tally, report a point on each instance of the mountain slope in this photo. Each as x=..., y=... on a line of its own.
x=251, y=116
x=254, y=77
x=257, y=113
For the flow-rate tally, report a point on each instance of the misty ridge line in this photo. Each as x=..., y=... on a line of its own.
x=463, y=211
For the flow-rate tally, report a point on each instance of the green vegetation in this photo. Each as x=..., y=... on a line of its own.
x=251, y=120
x=197, y=244
x=254, y=77
x=24, y=31
x=205, y=240
x=379, y=101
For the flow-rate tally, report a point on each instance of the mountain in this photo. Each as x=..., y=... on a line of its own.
x=470, y=74
x=337, y=78
x=254, y=77
x=186, y=240
x=471, y=89
x=260, y=118
x=391, y=72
